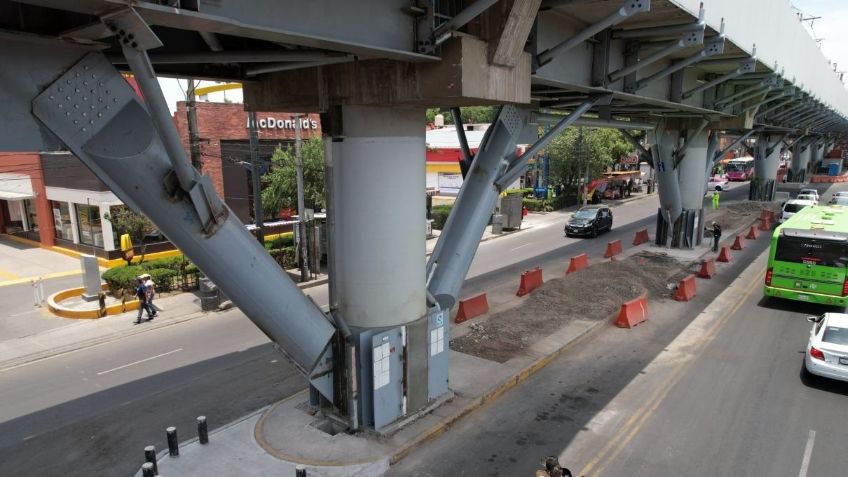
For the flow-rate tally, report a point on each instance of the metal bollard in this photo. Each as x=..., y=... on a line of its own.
x=41, y=297
x=150, y=457
x=173, y=444
x=300, y=471
x=202, y=430
x=147, y=470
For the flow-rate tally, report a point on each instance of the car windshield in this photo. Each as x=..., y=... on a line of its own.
x=835, y=335
x=586, y=214
x=736, y=166
x=792, y=208
x=806, y=197
x=808, y=192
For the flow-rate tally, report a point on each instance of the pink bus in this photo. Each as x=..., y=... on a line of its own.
x=741, y=169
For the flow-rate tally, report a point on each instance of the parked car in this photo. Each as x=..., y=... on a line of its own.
x=812, y=192
x=718, y=183
x=791, y=207
x=827, y=351
x=589, y=221
x=839, y=200
x=838, y=195
x=808, y=197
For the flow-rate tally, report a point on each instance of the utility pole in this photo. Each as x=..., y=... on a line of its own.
x=258, y=215
x=193, y=136
x=301, y=208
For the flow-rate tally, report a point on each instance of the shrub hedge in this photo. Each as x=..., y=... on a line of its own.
x=283, y=240
x=439, y=215
x=536, y=205
x=285, y=257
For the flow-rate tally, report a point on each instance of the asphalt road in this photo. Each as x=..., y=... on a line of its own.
x=91, y=412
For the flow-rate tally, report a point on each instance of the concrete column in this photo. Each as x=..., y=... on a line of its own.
x=379, y=180
x=681, y=186
x=106, y=228
x=765, y=167
x=800, y=162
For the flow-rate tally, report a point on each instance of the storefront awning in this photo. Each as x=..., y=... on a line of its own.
x=9, y=195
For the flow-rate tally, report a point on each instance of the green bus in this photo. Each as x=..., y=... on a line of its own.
x=809, y=255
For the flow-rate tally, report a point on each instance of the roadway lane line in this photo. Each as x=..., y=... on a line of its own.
x=633, y=425
x=520, y=246
x=139, y=361
x=808, y=452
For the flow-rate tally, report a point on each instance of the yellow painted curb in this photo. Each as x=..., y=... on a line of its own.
x=22, y=240
x=58, y=310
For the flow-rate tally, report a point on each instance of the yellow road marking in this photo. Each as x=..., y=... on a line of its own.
x=18, y=281
x=633, y=425
x=4, y=275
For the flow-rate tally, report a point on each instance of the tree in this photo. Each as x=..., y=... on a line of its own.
x=280, y=189
x=125, y=221
x=469, y=114
x=603, y=148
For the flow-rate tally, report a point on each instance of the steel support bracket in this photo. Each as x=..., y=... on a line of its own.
x=712, y=48
x=686, y=40
x=745, y=66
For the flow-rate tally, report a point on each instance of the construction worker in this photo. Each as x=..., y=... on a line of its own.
x=715, y=199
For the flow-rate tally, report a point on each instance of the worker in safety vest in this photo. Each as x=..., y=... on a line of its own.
x=715, y=199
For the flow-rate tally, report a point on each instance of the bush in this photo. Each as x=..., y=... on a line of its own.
x=535, y=205
x=283, y=240
x=440, y=215
x=285, y=257
x=163, y=278
x=122, y=279
x=173, y=263
x=525, y=192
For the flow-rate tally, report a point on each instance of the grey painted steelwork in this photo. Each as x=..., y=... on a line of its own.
x=438, y=332
x=443, y=31
x=465, y=163
x=627, y=10
x=461, y=235
x=112, y=133
x=712, y=48
x=745, y=66
x=686, y=40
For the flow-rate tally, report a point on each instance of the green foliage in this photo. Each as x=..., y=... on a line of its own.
x=281, y=181
x=469, y=114
x=284, y=256
x=440, y=215
x=125, y=221
x=177, y=263
x=525, y=192
x=285, y=239
x=163, y=278
x=122, y=279
x=577, y=149
x=535, y=205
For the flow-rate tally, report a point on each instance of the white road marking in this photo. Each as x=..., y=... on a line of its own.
x=139, y=361
x=520, y=246
x=808, y=451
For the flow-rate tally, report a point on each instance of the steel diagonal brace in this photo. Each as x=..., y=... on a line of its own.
x=640, y=149
x=516, y=167
x=718, y=155
x=686, y=40
x=712, y=48
x=136, y=38
x=770, y=99
x=745, y=66
x=630, y=8
x=763, y=86
x=680, y=153
x=775, y=107
x=467, y=157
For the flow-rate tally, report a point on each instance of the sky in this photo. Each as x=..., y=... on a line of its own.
x=832, y=27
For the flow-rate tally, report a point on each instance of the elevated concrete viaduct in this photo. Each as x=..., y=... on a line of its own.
x=672, y=75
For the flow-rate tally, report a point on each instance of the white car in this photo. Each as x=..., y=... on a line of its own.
x=808, y=197
x=827, y=351
x=812, y=192
x=838, y=197
x=791, y=207
x=718, y=183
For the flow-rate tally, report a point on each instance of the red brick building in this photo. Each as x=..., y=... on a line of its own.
x=24, y=208
x=225, y=151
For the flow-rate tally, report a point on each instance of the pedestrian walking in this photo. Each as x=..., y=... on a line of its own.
x=715, y=199
x=141, y=294
x=716, y=235
x=150, y=285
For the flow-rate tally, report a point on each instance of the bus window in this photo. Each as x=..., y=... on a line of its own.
x=811, y=252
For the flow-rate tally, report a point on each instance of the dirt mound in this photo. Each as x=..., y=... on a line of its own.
x=594, y=293
x=737, y=214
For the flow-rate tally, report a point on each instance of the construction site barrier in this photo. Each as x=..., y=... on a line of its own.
x=530, y=280
x=472, y=307
x=708, y=269
x=578, y=262
x=752, y=234
x=633, y=312
x=738, y=244
x=685, y=289
x=613, y=249
x=724, y=255
x=641, y=237
x=765, y=224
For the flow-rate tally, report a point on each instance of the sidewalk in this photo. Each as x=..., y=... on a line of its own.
x=21, y=262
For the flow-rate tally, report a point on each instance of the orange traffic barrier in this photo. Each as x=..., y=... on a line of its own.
x=752, y=234
x=578, y=262
x=765, y=224
x=633, y=312
x=685, y=289
x=613, y=249
x=765, y=214
x=471, y=307
x=708, y=269
x=724, y=255
x=530, y=280
x=738, y=244
x=641, y=237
